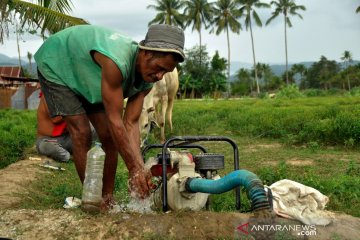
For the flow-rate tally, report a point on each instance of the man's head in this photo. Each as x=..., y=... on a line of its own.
x=160, y=52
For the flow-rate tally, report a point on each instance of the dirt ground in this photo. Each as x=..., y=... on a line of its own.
x=73, y=224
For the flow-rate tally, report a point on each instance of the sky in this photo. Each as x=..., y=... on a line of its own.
x=328, y=28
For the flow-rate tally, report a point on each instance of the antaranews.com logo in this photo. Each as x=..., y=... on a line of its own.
x=293, y=229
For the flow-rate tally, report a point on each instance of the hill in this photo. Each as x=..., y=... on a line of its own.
x=9, y=61
x=277, y=69
x=5, y=60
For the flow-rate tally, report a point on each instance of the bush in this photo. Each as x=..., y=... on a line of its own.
x=325, y=120
x=291, y=91
x=355, y=92
x=313, y=92
x=335, y=92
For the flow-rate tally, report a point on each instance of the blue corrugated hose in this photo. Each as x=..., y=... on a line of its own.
x=249, y=180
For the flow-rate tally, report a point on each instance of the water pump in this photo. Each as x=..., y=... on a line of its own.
x=185, y=180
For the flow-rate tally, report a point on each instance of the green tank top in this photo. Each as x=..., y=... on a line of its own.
x=65, y=58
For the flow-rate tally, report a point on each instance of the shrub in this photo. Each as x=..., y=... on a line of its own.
x=313, y=92
x=291, y=91
x=355, y=91
x=347, y=126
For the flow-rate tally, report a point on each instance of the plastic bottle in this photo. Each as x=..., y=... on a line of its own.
x=93, y=183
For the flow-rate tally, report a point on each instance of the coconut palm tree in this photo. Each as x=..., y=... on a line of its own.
x=29, y=56
x=168, y=12
x=198, y=14
x=301, y=70
x=49, y=16
x=267, y=75
x=225, y=18
x=347, y=58
x=247, y=9
x=18, y=32
x=287, y=8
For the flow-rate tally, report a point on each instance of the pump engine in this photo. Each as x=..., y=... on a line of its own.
x=182, y=165
x=184, y=180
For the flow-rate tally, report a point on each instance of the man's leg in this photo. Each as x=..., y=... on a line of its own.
x=62, y=101
x=50, y=147
x=80, y=133
x=65, y=141
x=99, y=121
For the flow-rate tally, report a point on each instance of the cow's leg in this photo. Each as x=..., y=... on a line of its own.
x=164, y=105
x=169, y=112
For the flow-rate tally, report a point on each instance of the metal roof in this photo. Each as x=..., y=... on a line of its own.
x=11, y=71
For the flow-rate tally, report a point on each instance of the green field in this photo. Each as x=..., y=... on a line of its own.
x=314, y=141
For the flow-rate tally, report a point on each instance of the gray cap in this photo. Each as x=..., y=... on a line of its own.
x=164, y=38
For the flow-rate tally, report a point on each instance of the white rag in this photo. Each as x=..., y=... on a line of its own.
x=297, y=201
x=72, y=202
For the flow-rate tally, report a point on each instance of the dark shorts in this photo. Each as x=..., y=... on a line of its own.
x=62, y=101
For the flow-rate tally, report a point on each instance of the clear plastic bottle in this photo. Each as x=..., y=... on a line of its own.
x=93, y=183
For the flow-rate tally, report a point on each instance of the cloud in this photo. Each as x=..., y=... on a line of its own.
x=329, y=27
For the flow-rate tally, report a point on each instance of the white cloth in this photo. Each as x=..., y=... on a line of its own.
x=297, y=201
x=72, y=202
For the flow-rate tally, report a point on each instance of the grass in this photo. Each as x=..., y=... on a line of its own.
x=17, y=131
x=332, y=171
x=307, y=140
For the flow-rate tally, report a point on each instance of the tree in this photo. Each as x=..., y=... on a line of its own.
x=48, y=16
x=225, y=17
x=288, y=77
x=275, y=83
x=194, y=76
x=320, y=73
x=207, y=79
x=285, y=7
x=29, y=56
x=265, y=74
x=217, y=76
x=198, y=13
x=347, y=58
x=243, y=83
x=358, y=9
x=168, y=12
x=353, y=72
x=299, y=69
x=17, y=33
x=247, y=9
x=218, y=63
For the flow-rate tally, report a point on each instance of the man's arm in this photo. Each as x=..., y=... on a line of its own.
x=113, y=101
x=132, y=115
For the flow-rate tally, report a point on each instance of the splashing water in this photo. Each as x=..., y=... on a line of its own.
x=140, y=205
x=136, y=205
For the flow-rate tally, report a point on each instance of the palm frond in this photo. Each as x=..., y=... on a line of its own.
x=167, y=12
x=34, y=16
x=62, y=6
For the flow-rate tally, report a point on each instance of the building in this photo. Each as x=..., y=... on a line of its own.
x=16, y=90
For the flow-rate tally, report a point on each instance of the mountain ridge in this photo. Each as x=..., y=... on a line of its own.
x=277, y=68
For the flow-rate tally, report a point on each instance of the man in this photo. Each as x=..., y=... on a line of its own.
x=86, y=72
x=53, y=140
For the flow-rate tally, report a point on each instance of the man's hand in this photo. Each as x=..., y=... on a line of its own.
x=140, y=183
